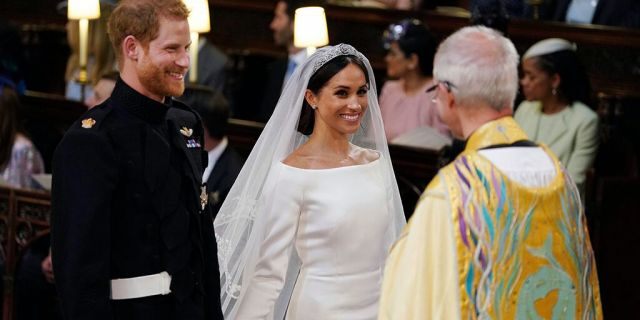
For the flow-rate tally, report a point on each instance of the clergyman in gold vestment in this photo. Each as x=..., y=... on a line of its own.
x=500, y=232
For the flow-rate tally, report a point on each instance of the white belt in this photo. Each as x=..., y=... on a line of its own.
x=138, y=287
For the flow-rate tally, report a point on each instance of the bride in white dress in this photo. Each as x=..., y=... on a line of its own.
x=306, y=228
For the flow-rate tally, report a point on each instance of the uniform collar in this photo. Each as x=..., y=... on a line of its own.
x=504, y=130
x=140, y=105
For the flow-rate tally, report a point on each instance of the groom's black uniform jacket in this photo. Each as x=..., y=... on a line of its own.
x=126, y=203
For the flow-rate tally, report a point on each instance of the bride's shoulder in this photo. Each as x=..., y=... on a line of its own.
x=365, y=155
x=297, y=159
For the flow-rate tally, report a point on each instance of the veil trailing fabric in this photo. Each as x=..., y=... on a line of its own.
x=239, y=226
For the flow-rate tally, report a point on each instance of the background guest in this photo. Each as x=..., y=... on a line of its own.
x=280, y=70
x=19, y=158
x=270, y=79
x=404, y=103
x=624, y=13
x=556, y=112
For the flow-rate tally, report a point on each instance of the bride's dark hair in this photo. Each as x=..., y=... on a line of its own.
x=318, y=80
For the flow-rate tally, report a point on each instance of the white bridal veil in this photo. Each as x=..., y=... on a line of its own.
x=238, y=226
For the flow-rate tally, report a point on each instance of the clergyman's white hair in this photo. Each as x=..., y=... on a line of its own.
x=481, y=64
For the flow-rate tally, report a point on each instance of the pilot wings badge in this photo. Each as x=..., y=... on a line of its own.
x=187, y=132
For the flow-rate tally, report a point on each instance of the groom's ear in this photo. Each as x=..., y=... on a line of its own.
x=311, y=98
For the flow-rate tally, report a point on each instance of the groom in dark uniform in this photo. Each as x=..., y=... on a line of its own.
x=132, y=232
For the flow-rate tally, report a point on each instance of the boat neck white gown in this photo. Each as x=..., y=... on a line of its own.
x=336, y=219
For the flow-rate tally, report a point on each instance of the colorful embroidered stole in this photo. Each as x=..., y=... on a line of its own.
x=522, y=252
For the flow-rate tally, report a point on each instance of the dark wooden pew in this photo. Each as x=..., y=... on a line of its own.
x=24, y=217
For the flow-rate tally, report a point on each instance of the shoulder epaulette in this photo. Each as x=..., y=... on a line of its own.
x=94, y=117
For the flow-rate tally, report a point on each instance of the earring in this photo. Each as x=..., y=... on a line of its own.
x=554, y=91
x=313, y=107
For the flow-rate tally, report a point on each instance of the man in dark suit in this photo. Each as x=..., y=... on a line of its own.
x=623, y=13
x=132, y=236
x=279, y=71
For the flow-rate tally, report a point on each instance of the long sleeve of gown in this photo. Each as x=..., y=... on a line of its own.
x=421, y=278
x=283, y=198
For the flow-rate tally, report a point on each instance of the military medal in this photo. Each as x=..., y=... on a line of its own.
x=193, y=143
x=203, y=196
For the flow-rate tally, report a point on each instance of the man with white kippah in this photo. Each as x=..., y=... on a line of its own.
x=500, y=232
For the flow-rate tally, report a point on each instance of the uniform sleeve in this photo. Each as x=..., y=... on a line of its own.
x=282, y=214
x=585, y=149
x=84, y=178
x=420, y=279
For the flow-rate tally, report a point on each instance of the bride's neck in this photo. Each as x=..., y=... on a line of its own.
x=330, y=144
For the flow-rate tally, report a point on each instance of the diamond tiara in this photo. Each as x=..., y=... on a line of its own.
x=328, y=53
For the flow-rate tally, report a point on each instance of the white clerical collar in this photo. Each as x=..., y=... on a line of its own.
x=529, y=166
x=214, y=155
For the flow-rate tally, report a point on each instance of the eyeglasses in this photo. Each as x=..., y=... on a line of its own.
x=396, y=31
x=446, y=84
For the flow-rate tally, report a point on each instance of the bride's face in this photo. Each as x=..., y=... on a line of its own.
x=342, y=102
